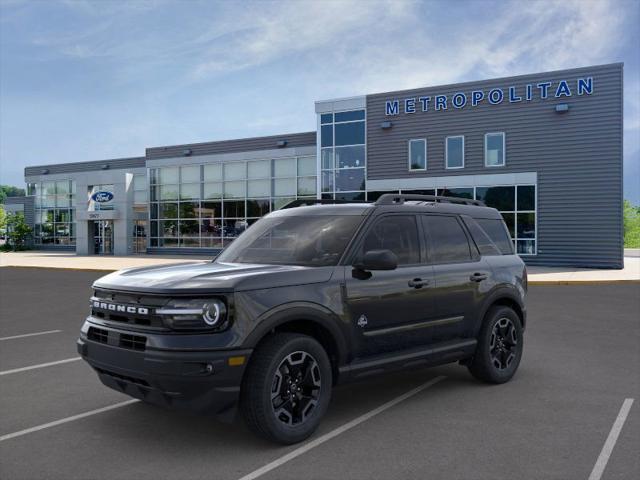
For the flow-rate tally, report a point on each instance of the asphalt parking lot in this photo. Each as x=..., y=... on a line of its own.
x=581, y=361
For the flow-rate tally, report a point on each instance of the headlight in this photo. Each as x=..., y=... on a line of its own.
x=200, y=314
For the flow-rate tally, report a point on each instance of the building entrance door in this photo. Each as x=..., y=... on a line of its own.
x=103, y=237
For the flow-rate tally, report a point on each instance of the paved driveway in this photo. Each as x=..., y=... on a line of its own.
x=551, y=422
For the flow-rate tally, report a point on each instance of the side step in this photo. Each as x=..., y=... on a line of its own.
x=436, y=354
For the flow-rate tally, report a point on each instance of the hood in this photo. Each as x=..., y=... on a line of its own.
x=205, y=277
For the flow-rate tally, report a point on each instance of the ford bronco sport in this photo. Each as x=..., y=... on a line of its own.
x=310, y=296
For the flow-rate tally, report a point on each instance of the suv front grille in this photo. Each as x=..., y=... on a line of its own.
x=98, y=335
x=128, y=309
x=133, y=342
x=123, y=340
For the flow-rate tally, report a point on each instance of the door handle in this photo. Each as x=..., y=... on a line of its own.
x=418, y=283
x=478, y=277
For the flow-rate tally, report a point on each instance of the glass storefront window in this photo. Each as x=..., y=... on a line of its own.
x=284, y=186
x=189, y=191
x=350, y=179
x=190, y=174
x=259, y=188
x=213, y=190
x=169, y=192
x=500, y=198
x=306, y=166
x=306, y=186
x=234, y=189
x=349, y=133
x=350, y=157
x=213, y=172
x=259, y=169
x=168, y=175
x=235, y=171
x=284, y=167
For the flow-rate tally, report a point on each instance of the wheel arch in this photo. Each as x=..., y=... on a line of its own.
x=503, y=297
x=313, y=320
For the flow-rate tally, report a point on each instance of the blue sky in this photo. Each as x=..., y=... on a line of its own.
x=87, y=80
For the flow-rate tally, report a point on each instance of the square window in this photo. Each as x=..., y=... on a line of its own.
x=190, y=174
x=307, y=166
x=327, y=181
x=168, y=210
x=350, y=179
x=211, y=210
x=526, y=247
x=189, y=191
x=500, y=198
x=189, y=209
x=284, y=187
x=235, y=171
x=307, y=186
x=213, y=172
x=326, y=118
x=233, y=208
x=494, y=149
x=168, y=175
x=284, y=167
x=349, y=116
x=526, y=197
x=234, y=189
x=526, y=223
x=349, y=133
x=213, y=190
x=350, y=157
x=169, y=192
x=259, y=169
x=259, y=188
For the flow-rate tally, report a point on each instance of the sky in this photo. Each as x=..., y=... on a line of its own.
x=88, y=80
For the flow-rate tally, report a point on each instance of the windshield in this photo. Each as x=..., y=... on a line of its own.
x=313, y=241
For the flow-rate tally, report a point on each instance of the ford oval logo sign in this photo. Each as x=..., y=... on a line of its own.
x=102, y=197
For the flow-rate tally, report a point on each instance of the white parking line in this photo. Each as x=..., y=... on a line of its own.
x=40, y=365
x=334, y=433
x=66, y=420
x=29, y=335
x=601, y=463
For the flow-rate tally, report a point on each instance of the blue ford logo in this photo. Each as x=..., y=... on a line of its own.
x=102, y=197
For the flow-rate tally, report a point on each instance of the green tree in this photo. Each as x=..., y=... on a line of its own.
x=631, y=225
x=3, y=218
x=10, y=191
x=17, y=231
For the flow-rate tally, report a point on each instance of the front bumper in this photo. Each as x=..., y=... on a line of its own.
x=200, y=380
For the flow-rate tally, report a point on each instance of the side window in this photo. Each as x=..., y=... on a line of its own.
x=497, y=232
x=397, y=233
x=482, y=240
x=449, y=243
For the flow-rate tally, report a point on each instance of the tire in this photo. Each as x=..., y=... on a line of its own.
x=282, y=364
x=500, y=345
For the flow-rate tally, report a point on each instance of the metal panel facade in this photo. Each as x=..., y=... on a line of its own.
x=231, y=146
x=96, y=165
x=577, y=155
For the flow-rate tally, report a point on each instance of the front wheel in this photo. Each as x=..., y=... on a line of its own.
x=499, y=349
x=287, y=388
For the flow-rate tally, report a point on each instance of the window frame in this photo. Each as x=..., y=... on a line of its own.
x=504, y=149
x=426, y=164
x=446, y=152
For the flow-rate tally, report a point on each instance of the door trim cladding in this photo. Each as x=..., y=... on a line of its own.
x=306, y=311
x=501, y=293
x=413, y=326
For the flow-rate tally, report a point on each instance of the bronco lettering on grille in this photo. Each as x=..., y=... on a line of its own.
x=113, y=307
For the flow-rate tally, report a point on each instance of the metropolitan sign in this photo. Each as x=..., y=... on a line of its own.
x=494, y=96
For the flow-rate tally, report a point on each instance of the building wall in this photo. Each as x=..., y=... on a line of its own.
x=577, y=155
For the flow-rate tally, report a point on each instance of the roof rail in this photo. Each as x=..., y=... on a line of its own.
x=398, y=199
x=301, y=202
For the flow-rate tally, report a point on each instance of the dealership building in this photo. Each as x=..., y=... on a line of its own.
x=544, y=149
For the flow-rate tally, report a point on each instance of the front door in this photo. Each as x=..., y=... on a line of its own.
x=103, y=237
x=389, y=310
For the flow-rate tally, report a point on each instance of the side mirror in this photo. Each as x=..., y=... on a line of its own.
x=378, y=260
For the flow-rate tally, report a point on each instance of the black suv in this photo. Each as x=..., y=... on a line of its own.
x=310, y=296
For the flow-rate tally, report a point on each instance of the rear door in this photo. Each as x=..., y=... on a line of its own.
x=389, y=309
x=460, y=275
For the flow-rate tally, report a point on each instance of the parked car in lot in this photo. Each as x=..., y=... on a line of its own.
x=310, y=296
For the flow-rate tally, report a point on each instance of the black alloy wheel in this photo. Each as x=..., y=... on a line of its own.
x=295, y=390
x=504, y=343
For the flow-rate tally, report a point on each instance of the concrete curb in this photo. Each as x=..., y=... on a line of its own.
x=583, y=282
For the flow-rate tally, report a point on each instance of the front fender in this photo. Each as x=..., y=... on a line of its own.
x=308, y=311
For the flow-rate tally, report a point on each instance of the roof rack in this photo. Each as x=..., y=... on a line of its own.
x=398, y=199
x=301, y=202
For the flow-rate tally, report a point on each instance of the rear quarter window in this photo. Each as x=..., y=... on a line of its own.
x=496, y=230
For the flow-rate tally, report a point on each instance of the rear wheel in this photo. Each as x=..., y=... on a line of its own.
x=287, y=388
x=499, y=349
